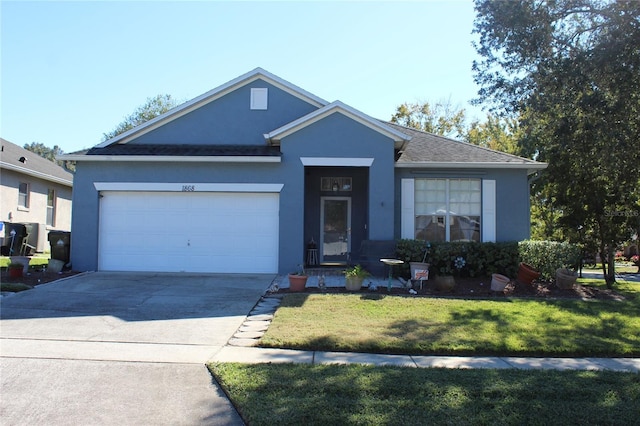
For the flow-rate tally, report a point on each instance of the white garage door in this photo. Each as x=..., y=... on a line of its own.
x=190, y=232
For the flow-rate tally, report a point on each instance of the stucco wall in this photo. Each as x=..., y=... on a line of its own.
x=335, y=136
x=229, y=120
x=513, y=221
x=37, y=210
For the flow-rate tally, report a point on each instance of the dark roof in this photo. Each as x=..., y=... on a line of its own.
x=431, y=148
x=33, y=165
x=186, y=150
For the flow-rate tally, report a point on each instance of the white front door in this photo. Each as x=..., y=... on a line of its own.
x=335, y=229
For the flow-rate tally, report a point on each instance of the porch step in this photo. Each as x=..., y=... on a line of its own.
x=325, y=270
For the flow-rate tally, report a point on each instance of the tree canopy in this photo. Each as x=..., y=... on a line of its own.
x=152, y=108
x=570, y=69
x=50, y=154
x=440, y=118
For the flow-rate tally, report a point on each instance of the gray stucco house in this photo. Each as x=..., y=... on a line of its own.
x=33, y=191
x=243, y=177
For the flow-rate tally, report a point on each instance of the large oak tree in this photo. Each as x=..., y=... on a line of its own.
x=571, y=70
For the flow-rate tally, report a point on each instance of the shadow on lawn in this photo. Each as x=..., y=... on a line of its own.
x=356, y=394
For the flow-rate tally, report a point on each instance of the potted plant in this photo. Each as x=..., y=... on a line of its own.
x=15, y=270
x=298, y=280
x=354, y=277
x=445, y=280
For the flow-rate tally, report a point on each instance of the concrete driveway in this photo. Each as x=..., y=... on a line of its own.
x=121, y=348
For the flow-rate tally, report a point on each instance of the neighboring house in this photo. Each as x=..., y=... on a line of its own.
x=242, y=178
x=34, y=191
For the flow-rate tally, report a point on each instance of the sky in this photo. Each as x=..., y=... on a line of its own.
x=71, y=71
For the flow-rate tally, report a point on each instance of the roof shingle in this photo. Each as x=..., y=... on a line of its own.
x=34, y=164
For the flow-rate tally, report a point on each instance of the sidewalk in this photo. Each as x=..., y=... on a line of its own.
x=242, y=348
x=267, y=355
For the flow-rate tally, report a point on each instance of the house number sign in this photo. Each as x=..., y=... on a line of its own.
x=188, y=188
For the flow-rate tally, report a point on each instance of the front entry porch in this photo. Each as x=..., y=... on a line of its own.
x=335, y=214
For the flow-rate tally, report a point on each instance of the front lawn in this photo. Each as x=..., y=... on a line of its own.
x=427, y=326
x=286, y=394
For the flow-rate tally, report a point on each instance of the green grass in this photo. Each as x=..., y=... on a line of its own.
x=14, y=287
x=426, y=326
x=286, y=394
x=37, y=260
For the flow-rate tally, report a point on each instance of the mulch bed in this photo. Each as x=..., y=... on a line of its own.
x=36, y=277
x=468, y=288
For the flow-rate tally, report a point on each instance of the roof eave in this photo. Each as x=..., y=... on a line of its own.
x=175, y=158
x=530, y=167
x=36, y=174
x=274, y=137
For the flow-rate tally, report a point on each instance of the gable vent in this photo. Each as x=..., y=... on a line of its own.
x=259, y=98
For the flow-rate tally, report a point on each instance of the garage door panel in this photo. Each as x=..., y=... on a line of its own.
x=192, y=232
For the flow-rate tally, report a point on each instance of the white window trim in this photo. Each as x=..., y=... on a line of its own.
x=487, y=211
x=337, y=161
x=407, y=209
x=488, y=218
x=259, y=98
x=188, y=187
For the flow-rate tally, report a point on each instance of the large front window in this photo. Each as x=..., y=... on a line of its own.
x=448, y=209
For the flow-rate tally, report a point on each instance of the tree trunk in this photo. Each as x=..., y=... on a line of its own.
x=608, y=264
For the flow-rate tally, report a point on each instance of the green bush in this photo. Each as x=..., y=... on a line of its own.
x=484, y=259
x=480, y=259
x=547, y=256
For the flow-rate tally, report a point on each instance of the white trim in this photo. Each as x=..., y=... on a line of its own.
x=36, y=174
x=488, y=217
x=187, y=187
x=176, y=158
x=532, y=167
x=211, y=96
x=337, y=107
x=259, y=98
x=407, y=209
x=337, y=161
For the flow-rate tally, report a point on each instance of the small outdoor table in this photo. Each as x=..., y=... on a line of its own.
x=391, y=263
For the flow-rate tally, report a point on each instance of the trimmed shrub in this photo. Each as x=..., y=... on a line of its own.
x=548, y=256
x=480, y=259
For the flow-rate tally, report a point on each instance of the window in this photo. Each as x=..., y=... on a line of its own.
x=448, y=209
x=335, y=184
x=23, y=195
x=51, y=207
x=259, y=98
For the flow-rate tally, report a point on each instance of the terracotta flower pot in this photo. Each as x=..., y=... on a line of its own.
x=297, y=282
x=499, y=282
x=526, y=273
x=15, y=271
x=445, y=283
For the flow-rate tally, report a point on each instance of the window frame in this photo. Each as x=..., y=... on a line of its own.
x=24, y=197
x=447, y=214
x=51, y=197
